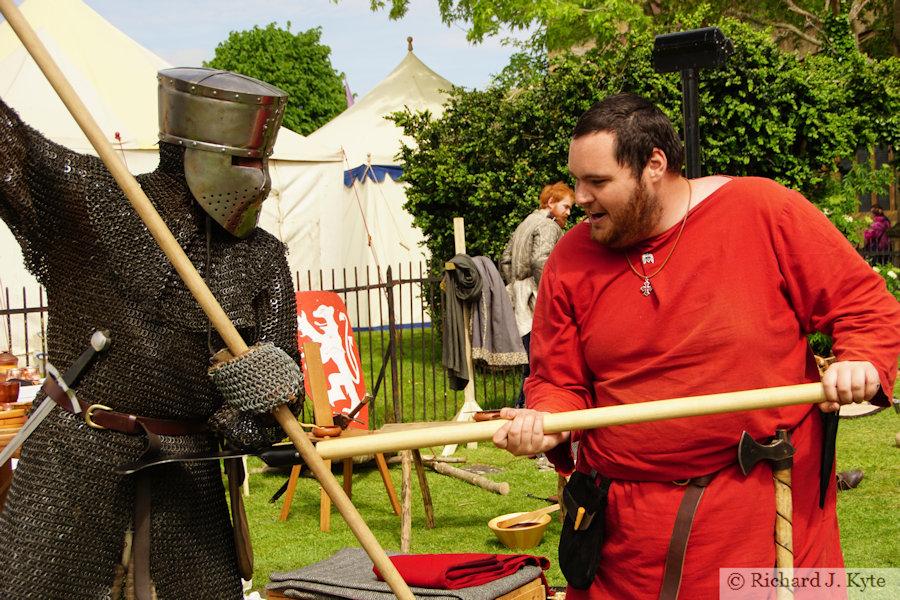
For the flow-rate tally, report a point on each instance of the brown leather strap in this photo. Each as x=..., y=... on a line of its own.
x=234, y=468
x=142, y=583
x=6, y=475
x=693, y=491
x=103, y=417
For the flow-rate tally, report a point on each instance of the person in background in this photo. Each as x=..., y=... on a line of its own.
x=672, y=288
x=525, y=254
x=875, y=236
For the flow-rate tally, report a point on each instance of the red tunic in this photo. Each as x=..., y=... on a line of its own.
x=756, y=269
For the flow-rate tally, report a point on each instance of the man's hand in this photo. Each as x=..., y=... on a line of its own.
x=523, y=433
x=848, y=382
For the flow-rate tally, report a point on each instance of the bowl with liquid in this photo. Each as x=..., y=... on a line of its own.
x=520, y=536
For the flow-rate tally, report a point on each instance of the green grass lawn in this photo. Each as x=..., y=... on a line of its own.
x=420, y=392
x=870, y=530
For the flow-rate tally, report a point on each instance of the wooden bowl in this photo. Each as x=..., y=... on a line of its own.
x=522, y=536
x=9, y=391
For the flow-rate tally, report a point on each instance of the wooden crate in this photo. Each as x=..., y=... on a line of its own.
x=533, y=590
x=10, y=423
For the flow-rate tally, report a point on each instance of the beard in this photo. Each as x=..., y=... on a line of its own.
x=631, y=223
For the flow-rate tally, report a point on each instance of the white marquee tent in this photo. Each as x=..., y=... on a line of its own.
x=377, y=232
x=369, y=143
x=116, y=79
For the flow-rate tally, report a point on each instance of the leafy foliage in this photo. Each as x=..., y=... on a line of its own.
x=557, y=24
x=765, y=113
x=891, y=276
x=296, y=63
x=561, y=24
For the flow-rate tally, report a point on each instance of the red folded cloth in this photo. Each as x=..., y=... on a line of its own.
x=454, y=571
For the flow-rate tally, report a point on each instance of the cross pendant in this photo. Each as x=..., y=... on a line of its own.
x=646, y=288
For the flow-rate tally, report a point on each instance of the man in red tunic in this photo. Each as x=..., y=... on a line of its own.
x=673, y=288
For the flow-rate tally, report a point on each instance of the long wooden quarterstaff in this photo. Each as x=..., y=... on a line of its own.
x=675, y=408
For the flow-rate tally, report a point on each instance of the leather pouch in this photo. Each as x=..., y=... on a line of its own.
x=582, y=532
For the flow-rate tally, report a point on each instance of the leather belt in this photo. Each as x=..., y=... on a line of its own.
x=103, y=417
x=680, y=533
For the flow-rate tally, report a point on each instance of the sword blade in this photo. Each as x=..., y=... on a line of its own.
x=279, y=455
x=99, y=343
x=37, y=415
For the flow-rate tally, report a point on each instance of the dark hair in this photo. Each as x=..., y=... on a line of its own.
x=638, y=126
x=555, y=191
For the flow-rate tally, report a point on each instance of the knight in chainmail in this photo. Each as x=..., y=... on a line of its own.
x=69, y=517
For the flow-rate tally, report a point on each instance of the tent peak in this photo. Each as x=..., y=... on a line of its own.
x=409, y=43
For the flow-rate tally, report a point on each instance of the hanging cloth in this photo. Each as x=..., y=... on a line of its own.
x=461, y=284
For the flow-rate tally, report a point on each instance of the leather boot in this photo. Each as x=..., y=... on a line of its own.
x=847, y=480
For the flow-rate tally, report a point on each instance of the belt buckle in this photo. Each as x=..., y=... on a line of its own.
x=682, y=482
x=89, y=415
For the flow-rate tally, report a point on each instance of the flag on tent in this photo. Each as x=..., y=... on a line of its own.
x=348, y=93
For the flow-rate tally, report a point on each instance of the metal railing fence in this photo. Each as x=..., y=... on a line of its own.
x=399, y=349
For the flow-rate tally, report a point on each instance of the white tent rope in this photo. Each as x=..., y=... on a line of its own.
x=362, y=213
x=391, y=214
x=121, y=148
x=4, y=305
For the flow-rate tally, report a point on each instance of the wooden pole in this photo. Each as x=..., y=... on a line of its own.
x=784, y=521
x=470, y=405
x=405, y=500
x=423, y=486
x=484, y=483
x=196, y=285
x=784, y=536
x=591, y=418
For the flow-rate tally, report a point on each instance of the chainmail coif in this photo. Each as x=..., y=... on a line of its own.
x=64, y=522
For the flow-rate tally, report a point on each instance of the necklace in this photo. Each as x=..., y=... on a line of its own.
x=646, y=288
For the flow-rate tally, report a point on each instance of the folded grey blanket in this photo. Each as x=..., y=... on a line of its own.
x=348, y=574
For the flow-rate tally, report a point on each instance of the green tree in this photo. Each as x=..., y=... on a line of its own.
x=874, y=24
x=557, y=24
x=765, y=113
x=561, y=24
x=296, y=63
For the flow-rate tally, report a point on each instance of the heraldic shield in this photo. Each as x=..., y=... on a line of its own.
x=322, y=318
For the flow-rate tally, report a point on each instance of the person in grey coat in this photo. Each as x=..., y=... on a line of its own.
x=525, y=254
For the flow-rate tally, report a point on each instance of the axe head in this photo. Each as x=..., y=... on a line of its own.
x=779, y=451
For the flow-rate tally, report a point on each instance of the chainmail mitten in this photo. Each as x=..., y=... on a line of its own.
x=245, y=431
x=260, y=380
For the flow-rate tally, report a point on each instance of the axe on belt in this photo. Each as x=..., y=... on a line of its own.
x=194, y=282
x=780, y=453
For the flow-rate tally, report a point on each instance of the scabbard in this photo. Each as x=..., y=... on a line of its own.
x=829, y=441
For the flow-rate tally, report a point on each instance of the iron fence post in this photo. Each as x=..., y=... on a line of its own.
x=392, y=333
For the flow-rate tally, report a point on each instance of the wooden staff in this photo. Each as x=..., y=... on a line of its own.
x=675, y=408
x=498, y=487
x=198, y=288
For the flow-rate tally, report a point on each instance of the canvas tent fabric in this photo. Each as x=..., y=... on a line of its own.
x=116, y=79
x=375, y=173
x=363, y=132
x=377, y=231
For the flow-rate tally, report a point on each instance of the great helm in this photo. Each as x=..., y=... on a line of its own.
x=227, y=124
